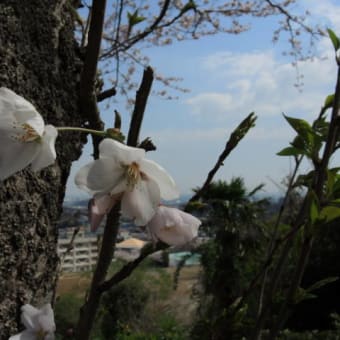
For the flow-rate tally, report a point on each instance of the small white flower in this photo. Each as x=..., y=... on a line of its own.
x=24, y=138
x=123, y=170
x=173, y=226
x=39, y=323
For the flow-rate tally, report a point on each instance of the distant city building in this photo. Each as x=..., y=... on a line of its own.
x=85, y=247
x=83, y=255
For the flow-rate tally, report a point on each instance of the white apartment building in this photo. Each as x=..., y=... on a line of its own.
x=83, y=255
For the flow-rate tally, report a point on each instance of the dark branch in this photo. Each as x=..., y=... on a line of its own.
x=126, y=270
x=140, y=104
x=88, y=310
x=88, y=101
x=106, y=94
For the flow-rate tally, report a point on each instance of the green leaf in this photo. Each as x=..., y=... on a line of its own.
x=290, y=151
x=329, y=101
x=302, y=295
x=329, y=213
x=336, y=187
x=335, y=40
x=314, y=211
x=134, y=19
x=299, y=125
x=322, y=283
x=307, y=139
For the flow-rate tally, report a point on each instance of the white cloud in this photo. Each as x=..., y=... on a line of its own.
x=258, y=82
x=201, y=104
x=325, y=12
x=239, y=64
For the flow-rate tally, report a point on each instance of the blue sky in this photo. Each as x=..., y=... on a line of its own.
x=229, y=77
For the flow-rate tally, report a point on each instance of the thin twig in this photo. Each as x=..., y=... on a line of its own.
x=231, y=144
x=276, y=227
x=128, y=268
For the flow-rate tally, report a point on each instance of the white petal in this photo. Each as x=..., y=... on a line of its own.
x=46, y=319
x=29, y=317
x=103, y=204
x=100, y=176
x=25, y=335
x=46, y=323
x=7, y=118
x=141, y=203
x=173, y=226
x=165, y=182
x=98, y=208
x=47, y=153
x=15, y=156
x=21, y=109
x=121, y=153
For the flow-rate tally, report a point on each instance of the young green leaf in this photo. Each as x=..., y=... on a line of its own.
x=322, y=283
x=290, y=151
x=335, y=40
x=329, y=101
x=134, y=18
x=299, y=125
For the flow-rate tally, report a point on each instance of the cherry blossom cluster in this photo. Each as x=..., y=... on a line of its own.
x=120, y=174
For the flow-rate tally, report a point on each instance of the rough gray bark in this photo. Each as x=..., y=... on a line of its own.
x=38, y=60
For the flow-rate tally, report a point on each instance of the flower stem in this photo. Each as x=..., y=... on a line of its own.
x=93, y=132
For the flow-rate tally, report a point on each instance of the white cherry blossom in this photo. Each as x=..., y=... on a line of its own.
x=24, y=137
x=39, y=323
x=173, y=226
x=122, y=170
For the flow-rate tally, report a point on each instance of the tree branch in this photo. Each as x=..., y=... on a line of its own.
x=88, y=101
x=106, y=94
x=234, y=139
x=127, y=269
x=140, y=104
x=89, y=309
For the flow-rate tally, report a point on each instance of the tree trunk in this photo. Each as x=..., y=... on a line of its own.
x=38, y=60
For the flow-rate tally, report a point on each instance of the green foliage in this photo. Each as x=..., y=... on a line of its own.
x=66, y=311
x=167, y=329
x=307, y=142
x=230, y=258
x=234, y=191
x=127, y=311
x=123, y=306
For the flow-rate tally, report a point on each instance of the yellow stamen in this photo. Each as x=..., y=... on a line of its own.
x=132, y=174
x=40, y=334
x=30, y=134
